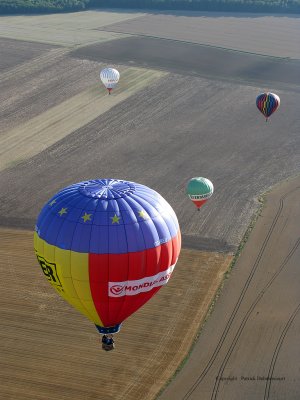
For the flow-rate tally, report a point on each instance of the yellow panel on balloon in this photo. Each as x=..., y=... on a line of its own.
x=55, y=264
x=63, y=258
x=93, y=315
x=79, y=266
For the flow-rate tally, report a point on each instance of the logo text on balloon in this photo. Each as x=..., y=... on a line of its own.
x=131, y=288
x=50, y=271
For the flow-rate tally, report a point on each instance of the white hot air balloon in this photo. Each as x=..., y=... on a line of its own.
x=109, y=77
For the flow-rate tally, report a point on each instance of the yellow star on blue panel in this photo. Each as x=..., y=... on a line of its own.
x=142, y=214
x=115, y=219
x=86, y=217
x=52, y=202
x=62, y=211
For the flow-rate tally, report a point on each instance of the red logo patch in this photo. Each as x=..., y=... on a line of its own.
x=117, y=289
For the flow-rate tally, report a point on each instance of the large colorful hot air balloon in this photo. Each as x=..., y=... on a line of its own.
x=267, y=103
x=109, y=77
x=107, y=246
x=199, y=190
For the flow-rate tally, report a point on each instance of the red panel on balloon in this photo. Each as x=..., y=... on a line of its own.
x=121, y=283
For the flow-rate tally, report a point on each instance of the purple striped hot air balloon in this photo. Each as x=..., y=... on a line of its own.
x=267, y=103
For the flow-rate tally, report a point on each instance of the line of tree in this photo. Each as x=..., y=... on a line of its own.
x=281, y=6
x=40, y=6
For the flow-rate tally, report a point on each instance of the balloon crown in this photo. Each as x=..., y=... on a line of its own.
x=107, y=189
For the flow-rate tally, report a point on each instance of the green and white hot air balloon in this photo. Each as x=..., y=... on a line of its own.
x=199, y=190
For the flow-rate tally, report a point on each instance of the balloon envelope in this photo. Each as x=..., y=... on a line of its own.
x=107, y=246
x=199, y=190
x=267, y=103
x=109, y=77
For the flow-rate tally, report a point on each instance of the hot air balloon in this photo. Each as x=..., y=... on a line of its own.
x=199, y=191
x=107, y=246
x=109, y=77
x=267, y=103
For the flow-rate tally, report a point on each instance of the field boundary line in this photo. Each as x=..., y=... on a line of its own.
x=202, y=45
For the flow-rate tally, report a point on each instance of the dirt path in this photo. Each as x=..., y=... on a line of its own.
x=51, y=352
x=249, y=347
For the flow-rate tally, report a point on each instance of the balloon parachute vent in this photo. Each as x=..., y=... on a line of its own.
x=107, y=189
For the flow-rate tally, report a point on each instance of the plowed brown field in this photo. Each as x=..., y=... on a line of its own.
x=50, y=352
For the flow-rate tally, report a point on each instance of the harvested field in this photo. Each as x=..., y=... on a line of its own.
x=49, y=351
x=49, y=127
x=271, y=35
x=255, y=33
x=34, y=86
x=249, y=347
x=51, y=83
x=14, y=53
x=161, y=136
x=195, y=60
x=66, y=29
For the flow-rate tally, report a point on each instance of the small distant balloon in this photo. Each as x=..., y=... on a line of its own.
x=267, y=103
x=109, y=77
x=199, y=190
